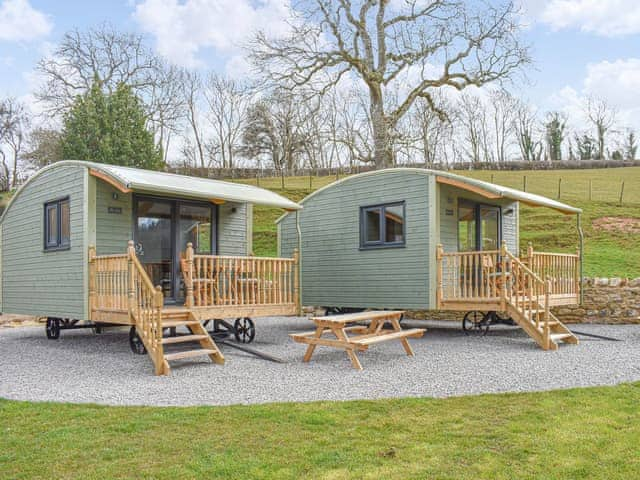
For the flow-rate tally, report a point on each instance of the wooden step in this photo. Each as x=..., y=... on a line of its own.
x=189, y=353
x=555, y=337
x=178, y=323
x=183, y=339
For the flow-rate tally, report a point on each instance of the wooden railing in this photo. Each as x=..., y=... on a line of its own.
x=119, y=283
x=468, y=275
x=528, y=293
x=562, y=268
x=229, y=280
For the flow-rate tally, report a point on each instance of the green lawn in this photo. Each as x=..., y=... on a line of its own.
x=606, y=253
x=581, y=433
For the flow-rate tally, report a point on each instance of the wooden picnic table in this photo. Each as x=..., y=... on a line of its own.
x=342, y=325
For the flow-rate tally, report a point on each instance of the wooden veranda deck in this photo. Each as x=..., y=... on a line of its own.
x=525, y=288
x=216, y=287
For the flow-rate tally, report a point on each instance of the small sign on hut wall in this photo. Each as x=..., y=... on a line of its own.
x=116, y=210
x=448, y=212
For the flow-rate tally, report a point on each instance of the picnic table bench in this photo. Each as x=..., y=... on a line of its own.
x=365, y=335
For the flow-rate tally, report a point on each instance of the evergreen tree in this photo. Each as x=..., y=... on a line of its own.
x=110, y=128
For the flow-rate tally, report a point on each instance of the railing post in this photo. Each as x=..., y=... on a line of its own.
x=547, y=333
x=439, y=276
x=530, y=256
x=157, y=331
x=503, y=273
x=576, y=274
x=296, y=281
x=131, y=279
x=188, y=281
x=92, y=281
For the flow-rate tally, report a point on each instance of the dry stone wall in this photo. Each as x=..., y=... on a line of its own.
x=606, y=300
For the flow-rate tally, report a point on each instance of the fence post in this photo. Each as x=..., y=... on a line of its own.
x=559, y=188
x=92, y=280
x=131, y=280
x=590, y=189
x=282, y=177
x=188, y=276
x=296, y=281
x=621, y=192
x=310, y=179
x=524, y=183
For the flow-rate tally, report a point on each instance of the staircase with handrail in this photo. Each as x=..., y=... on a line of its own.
x=498, y=280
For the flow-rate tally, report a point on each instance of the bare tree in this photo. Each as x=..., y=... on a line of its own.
x=603, y=117
x=502, y=106
x=228, y=101
x=275, y=130
x=111, y=57
x=472, y=118
x=431, y=131
x=43, y=147
x=524, y=126
x=102, y=54
x=425, y=45
x=14, y=126
x=193, y=100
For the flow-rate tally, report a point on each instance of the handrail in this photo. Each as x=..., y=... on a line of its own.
x=145, y=306
x=119, y=283
x=235, y=280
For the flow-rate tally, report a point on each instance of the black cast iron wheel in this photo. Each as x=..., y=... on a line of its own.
x=244, y=330
x=53, y=328
x=135, y=342
x=476, y=323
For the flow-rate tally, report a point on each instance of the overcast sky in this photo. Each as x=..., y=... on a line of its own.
x=580, y=47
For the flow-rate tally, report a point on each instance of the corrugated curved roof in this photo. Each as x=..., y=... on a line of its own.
x=150, y=181
x=498, y=190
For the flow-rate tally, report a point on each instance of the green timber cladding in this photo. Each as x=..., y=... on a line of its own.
x=336, y=272
x=35, y=281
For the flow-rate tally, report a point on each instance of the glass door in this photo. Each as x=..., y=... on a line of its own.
x=154, y=233
x=196, y=225
x=489, y=219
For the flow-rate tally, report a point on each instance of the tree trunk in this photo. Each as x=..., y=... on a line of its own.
x=382, y=151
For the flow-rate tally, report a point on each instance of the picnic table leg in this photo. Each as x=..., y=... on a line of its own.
x=342, y=336
x=395, y=323
x=312, y=346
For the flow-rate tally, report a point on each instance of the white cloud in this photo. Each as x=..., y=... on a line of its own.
x=603, y=17
x=183, y=29
x=19, y=21
x=616, y=82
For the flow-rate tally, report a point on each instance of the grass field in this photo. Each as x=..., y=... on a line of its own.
x=577, y=434
x=607, y=253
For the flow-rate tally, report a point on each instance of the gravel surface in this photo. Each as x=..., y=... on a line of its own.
x=84, y=367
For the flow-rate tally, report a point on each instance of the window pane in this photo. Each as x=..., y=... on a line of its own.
x=195, y=227
x=394, y=222
x=52, y=225
x=65, y=228
x=466, y=228
x=372, y=225
x=489, y=228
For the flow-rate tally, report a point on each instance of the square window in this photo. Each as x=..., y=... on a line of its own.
x=382, y=225
x=57, y=225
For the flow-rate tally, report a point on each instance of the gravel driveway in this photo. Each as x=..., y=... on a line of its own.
x=83, y=367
